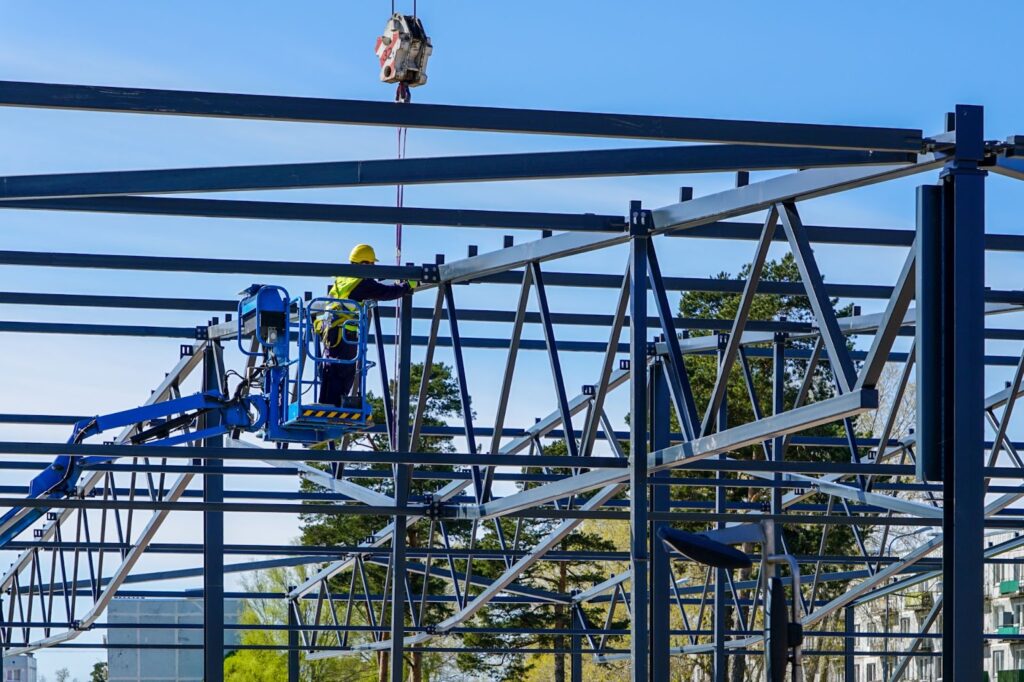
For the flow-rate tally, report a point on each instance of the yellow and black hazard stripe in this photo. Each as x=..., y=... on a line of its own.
x=330, y=414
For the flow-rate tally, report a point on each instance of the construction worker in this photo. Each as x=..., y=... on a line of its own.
x=340, y=334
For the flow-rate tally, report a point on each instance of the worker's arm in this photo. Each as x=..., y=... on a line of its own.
x=372, y=290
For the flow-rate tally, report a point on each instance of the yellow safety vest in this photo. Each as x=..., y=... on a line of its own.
x=342, y=288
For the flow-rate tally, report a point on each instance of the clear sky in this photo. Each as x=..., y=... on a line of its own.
x=877, y=63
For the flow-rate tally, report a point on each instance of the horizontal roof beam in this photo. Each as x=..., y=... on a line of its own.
x=206, y=265
x=186, y=333
x=476, y=168
x=330, y=213
x=356, y=112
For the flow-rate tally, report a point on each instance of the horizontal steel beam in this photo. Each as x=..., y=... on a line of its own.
x=443, y=169
x=52, y=259
x=142, y=331
x=329, y=213
x=300, y=455
x=318, y=110
x=824, y=234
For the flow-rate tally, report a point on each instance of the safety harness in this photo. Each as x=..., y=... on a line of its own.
x=340, y=314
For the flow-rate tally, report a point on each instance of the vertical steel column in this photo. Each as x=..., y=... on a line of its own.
x=639, y=226
x=849, y=646
x=774, y=543
x=293, y=638
x=403, y=475
x=778, y=407
x=963, y=457
x=576, y=649
x=661, y=573
x=213, y=529
x=720, y=614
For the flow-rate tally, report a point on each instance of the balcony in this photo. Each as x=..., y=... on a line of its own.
x=919, y=601
x=1009, y=587
x=1008, y=630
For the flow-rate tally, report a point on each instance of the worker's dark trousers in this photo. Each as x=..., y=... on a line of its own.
x=336, y=379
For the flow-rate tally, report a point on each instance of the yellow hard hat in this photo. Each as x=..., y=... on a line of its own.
x=362, y=253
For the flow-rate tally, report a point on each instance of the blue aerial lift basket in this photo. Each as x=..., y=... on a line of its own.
x=267, y=312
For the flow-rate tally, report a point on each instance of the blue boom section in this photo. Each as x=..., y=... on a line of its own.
x=61, y=477
x=269, y=401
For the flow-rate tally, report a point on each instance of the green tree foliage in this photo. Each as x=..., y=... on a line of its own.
x=271, y=665
x=99, y=673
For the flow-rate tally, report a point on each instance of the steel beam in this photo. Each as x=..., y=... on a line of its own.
x=639, y=550
x=835, y=342
x=478, y=168
x=213, y=530
x=330, y=213
x=403, y=477
x=661, y=570
x=963, y=249
x=358, y=112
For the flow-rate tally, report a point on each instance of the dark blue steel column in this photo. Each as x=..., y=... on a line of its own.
x=403, y=474
x=720, y=624
x=640, y=642
x=213, y=530
x=661, y=574
x=293, y=638
x=778, y=407
x=849, y=646
x=576, y=650
x=963, y=322
x=777, y=455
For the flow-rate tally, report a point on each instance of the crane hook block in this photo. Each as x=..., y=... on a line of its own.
x=403, y=51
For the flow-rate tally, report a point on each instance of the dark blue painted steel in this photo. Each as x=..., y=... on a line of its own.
x=639, y=641
x=661, y=574
x=464, y=396
x=720, y=616
x=331, y=213
x=213, y=532
x=963, y=473
x=934, y=426
x=572, y=447
x=403, y=477
x=413, y=171
x=678, y=379
x=358, y=112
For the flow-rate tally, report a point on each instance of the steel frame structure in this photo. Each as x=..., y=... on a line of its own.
x=86, y=553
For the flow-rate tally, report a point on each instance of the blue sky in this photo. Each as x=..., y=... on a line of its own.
x=875, y=63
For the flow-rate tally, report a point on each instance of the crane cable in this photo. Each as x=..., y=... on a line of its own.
x=402, y=96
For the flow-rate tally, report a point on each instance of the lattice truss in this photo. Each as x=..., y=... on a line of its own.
x=82, y=554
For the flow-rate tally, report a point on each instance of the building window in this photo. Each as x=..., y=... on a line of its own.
x=904, y=625
x=997, y=663
x=871, y=673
